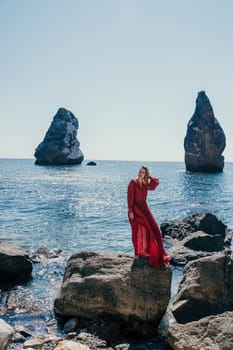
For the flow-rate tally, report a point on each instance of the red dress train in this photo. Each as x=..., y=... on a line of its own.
x=146, y=234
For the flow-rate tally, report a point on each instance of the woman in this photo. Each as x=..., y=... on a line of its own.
x=146, y=235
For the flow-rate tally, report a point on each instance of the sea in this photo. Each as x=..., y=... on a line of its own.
x=81, y=207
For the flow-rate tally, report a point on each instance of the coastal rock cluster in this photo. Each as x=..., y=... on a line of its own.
x=203, y=305
x=195, y=236
x=205, y=139
x=206, y=289
x=201, y=243
x=105, y=298
x=60, y=145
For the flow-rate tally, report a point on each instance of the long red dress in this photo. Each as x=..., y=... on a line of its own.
x=146, y=234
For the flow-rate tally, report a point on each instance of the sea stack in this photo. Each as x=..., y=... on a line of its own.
x=205, y=139
x=60, y=145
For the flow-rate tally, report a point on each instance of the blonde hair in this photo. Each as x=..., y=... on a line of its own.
x=147, y=172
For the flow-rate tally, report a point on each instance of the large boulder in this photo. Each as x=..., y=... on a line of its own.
x=212, y=332
x=15, y=264
x=195, y=236
x=60, y=145
x=206, y=289
x=6, y=334
x=128, y=291
x=205, y=139
x=203, y=221
x=197, y=245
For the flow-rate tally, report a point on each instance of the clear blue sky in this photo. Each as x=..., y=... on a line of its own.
x=129, y=70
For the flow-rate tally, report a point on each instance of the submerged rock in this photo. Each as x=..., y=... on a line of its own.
x=45, y=255
x=205, y=139
x=212, y=332
x=60, y=145
x=206, y=289
x=127, y=291
x=92, y=163
x=15, y=264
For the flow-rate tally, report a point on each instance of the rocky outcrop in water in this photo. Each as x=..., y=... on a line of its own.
x=91, y=163
x=15, y=264
x=115, y=287
x=202, y=221
x=207, y=288
x=212, y=332
x=198, y=245
x=60, y=145
x=205, y=139
x=196, y=236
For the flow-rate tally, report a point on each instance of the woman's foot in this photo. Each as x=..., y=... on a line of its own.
x=166, y=258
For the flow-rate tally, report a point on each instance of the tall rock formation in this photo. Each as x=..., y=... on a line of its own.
x=60, y=144
x=205, y=139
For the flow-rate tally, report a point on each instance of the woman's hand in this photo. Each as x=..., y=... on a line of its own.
x=131, y=215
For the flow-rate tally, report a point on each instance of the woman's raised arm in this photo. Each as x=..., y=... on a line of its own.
x=153, y=183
